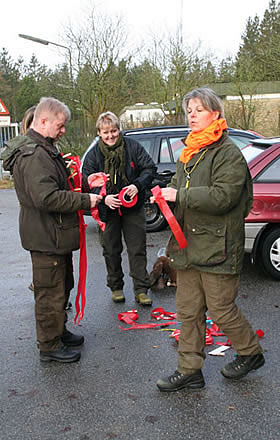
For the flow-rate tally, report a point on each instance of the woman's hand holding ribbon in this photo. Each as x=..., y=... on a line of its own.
x=131, y=190
x=169, y=194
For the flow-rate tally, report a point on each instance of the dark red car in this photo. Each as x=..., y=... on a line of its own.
x=262, y=226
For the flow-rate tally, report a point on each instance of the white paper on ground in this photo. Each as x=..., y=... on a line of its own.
x=219, y=351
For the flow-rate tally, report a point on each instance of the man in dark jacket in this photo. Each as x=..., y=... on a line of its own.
x=48, y=223
x=129, y=166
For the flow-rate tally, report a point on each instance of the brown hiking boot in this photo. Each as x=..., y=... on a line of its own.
x=118, y=296
x=143, y=299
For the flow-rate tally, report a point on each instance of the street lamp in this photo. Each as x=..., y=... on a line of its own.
x=46, y=43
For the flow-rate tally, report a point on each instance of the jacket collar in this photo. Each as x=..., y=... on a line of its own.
x=47, y=142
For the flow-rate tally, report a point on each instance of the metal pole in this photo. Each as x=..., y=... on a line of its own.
x=46, y=43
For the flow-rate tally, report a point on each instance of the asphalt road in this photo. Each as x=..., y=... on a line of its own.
x=111, y=392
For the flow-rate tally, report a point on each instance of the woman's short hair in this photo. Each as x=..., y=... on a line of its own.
x=52, y=106
x=107, y=118
x=27, y=119
x=209, y=99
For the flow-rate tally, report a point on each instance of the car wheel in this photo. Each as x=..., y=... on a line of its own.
x=155, y=220
x=270, y=253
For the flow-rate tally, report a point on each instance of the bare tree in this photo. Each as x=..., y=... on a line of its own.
x=97, y=47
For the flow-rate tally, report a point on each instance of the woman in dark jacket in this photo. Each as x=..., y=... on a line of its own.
x=212, y=189
x=129, y=166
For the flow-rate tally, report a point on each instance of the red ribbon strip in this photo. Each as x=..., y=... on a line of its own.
x=210, y=332
x=175, y=334
x=75, y=166
x=131, y=316
x=94, y=211
x=160, y=313
x=169, y=216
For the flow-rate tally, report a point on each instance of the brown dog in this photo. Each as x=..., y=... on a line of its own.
x=162, y=274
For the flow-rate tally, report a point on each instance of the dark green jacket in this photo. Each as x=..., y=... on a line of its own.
x=48, y=220
x=212, y=209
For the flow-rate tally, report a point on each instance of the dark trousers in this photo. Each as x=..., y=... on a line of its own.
x=53, y=280
x=198, y=292
x=132, y=226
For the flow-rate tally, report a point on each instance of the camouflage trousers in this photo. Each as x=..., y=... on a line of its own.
x=53, y=280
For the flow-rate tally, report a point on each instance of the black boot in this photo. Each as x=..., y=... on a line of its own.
x=242, y=365
x=178, y=380
x=62, y=354
x=71, y=340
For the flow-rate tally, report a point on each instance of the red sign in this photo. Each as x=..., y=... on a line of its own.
x=3, y=109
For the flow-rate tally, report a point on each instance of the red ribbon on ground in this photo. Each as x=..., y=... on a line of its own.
x=94, y=211
x=131, y=316
x=170, y=218
x=160, y=313
x=74, y=164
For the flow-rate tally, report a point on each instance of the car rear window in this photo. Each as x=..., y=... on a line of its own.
x=177, y=146
x=146, y=142
x=271, y=173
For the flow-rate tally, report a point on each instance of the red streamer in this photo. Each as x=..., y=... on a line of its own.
x=131, y=316
x=94, y=211
x=160, y=313
x=169, y=216
x=75, y=166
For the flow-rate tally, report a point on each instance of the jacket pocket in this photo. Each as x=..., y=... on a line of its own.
x=177, y=257
x=67, y=237
x=206, y=244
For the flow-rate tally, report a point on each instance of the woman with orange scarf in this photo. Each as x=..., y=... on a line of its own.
x=212, y=191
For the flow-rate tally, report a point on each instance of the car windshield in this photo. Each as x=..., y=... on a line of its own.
x=250, y=152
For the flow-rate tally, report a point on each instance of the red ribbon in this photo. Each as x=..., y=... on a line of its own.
x=75, y=166
x=176, y=334
x=94, y=211
x=131, y=316
x=127, y=201
x=160, y=313
x=169, y=216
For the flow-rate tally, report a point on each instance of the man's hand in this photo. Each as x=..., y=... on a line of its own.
x=97, y=179
x=131, y=191
x=112, y=201
x=169, y=194
x=94, y=199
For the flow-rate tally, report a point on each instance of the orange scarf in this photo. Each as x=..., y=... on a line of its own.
x=196, y=141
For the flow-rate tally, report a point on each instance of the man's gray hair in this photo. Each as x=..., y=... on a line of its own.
x=209, y=99
x=52, y=106
x=107, y=118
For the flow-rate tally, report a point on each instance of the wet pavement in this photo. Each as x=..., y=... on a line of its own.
x=111, y=392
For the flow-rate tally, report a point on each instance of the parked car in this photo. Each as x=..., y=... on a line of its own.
x=262, y=226
x=164, y=144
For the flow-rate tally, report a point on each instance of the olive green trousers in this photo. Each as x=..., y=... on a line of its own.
x=201, y=292
x=53, y=280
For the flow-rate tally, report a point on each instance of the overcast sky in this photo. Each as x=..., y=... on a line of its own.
x=217, y=24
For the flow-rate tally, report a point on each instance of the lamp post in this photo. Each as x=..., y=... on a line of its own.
x=181, y=23
x=46, y=43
